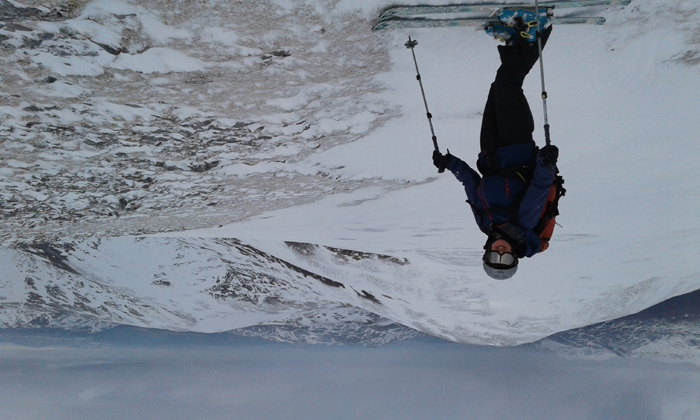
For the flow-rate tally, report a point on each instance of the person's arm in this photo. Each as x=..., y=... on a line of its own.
x=466, y=175
x=525, y=242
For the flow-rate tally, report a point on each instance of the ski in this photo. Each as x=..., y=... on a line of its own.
x=400, y=22
x=491, y=7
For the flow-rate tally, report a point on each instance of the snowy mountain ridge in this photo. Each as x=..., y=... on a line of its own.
x=220, y=285
x=667, y=332
x=64, y=287
x=69, y=277
x=58, y=292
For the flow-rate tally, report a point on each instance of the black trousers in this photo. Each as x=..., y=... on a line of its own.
x=507, y=119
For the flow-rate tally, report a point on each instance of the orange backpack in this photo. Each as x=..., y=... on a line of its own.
x=545, y=227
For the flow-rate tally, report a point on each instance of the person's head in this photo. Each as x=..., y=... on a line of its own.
x=500, y=262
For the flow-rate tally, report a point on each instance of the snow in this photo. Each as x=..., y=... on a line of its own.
x=158, y=60
x=334, y=149
x=624, y=120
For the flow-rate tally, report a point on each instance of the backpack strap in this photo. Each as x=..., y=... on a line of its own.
x=490, y=165
x=512, y=210
x=545, y=226
x=516, y=238
x=519, y=172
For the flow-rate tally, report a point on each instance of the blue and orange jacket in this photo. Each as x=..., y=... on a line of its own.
x=493, y=197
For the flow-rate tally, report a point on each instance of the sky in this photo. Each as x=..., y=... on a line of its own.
x=196, y=377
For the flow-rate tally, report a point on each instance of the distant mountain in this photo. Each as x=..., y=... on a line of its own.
x=342, y=326
x=224, y=285
x=668, y=331
x=211, y=285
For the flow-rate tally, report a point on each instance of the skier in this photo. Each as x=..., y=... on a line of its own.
x=508, y=200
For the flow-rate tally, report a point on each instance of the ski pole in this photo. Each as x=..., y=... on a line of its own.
x=548, y=141
x=411, y=44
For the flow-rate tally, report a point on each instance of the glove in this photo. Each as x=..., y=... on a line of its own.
x=441, y=161
x=549, y=155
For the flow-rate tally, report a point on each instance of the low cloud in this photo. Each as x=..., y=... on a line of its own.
x=256, y=380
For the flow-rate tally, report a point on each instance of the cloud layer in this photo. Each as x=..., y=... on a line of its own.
x=246, y=379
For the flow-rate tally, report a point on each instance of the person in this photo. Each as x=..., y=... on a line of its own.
x=507, y=200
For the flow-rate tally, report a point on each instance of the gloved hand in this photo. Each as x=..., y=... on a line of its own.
x=549, y=155
x=441, y=161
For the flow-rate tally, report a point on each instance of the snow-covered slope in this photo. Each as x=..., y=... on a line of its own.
x=180, y=284
x=217, y=285
x=132, y=116
x=345, y=297
x=295, y=122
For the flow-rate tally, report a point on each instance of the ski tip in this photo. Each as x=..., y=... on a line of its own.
x=389, y=13
x=379, y=26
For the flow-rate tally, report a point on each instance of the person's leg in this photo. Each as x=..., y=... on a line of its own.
x=489, y=124
x=489, y=121
x=515, y=124
x=507, y=117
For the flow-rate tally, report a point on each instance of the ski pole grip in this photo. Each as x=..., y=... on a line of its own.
x=437, y=149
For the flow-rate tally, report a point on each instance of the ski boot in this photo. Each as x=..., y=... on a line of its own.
x=500, y=32
x=525, y=23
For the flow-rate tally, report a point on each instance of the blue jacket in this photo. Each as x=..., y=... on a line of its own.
x=492, y=196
